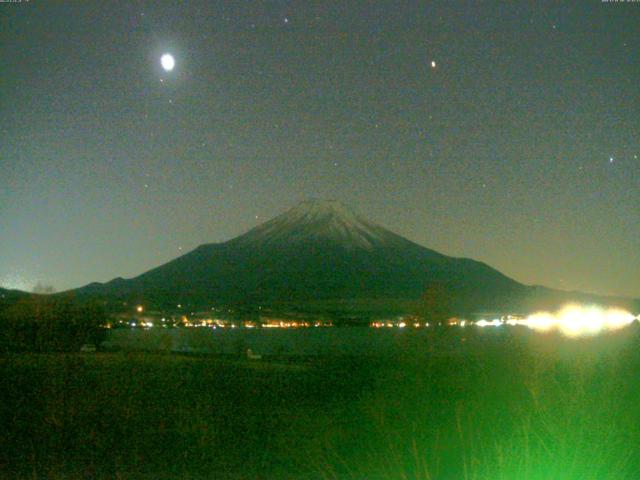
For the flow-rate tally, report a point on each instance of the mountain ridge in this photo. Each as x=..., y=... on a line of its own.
x=321, y=251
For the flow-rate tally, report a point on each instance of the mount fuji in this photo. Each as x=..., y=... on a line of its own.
x=322, y=253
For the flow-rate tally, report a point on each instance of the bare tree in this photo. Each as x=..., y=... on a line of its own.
x=43, y=289
x=435, y=305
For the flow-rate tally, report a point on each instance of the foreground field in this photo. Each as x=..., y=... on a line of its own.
x=514, y=405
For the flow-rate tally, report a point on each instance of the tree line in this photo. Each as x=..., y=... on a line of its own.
x=47, y=323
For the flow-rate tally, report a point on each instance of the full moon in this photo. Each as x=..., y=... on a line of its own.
x=167, y=61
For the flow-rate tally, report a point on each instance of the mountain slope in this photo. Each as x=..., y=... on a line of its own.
x=318, y=251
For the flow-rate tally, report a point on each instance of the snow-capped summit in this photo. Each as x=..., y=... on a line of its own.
x=327, y=221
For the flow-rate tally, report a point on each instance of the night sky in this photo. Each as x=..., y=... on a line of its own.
x=518, y=147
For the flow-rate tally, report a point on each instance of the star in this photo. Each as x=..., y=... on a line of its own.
x=610, y=159
x=433, y=64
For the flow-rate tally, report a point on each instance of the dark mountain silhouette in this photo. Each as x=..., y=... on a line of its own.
x=7, y=295
x=321, y=253
x=9, y=298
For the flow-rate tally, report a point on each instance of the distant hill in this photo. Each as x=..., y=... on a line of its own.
x=321, y=254
x=7, y=295
x=11, y=297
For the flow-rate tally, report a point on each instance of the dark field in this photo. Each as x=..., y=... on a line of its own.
x=512, y=405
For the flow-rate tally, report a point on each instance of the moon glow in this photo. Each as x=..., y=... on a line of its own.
x=168, y=62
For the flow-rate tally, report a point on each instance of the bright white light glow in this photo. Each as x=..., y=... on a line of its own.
x=578, y=320
x=492, y=323
x=168, y=62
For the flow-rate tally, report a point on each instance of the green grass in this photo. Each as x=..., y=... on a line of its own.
x=513, y=406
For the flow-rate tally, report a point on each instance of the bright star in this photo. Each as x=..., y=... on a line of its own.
x=433, y=64
x=167, y=61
